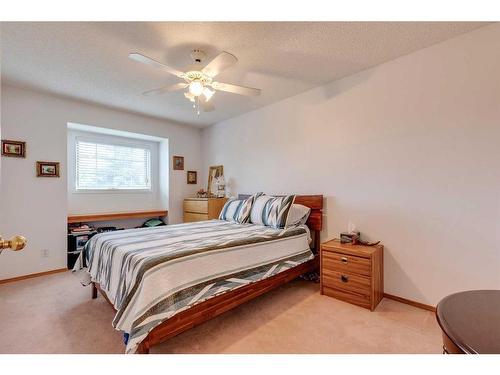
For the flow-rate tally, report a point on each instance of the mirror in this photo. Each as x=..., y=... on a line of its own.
x=213, y=172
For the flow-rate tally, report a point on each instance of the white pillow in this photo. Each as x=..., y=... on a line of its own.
x=297, y=215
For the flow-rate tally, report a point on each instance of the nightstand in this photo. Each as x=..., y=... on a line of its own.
x=198, y=209
x=353, y=273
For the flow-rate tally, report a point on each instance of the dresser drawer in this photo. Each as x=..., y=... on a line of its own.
x=347, y=282
x=197, y=206
x=357, y=299
x=190, y=217
x=346, y=263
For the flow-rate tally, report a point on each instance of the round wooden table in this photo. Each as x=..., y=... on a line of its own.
x=470, y=322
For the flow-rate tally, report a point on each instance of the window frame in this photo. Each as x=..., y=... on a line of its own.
x=97, y=140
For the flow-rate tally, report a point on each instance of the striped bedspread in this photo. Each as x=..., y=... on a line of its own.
x=151, y=274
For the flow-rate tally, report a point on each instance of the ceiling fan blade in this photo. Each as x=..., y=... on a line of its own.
x=236, y=89
x=162, y=90
x=207, y=106
x=223, y=61
x=148, y=60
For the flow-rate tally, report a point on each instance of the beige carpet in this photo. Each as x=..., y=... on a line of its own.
x=54, y=314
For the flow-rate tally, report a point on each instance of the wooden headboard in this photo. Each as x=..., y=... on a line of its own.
x=315, y=221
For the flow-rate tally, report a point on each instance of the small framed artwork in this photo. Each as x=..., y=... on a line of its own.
x=15, y=149
x=192, y=177
x=47, y=169
x=178, y=163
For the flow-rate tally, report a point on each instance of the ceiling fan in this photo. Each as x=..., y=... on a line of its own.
x=198, y=80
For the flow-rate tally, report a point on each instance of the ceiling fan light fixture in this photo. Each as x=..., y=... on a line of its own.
x=198, y=81
x=196, y=88
x=208, y=93
x=188, y=96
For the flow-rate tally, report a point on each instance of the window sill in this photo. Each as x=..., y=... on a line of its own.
x=113, y=191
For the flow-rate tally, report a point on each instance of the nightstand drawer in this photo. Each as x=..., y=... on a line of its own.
x=346, y=263
x=196, y=206
x=189, y=217
x=357, y=299
x=347, y=282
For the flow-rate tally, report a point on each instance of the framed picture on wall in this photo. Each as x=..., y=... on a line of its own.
x=192, y=177
x=178, y=163
x=15, y=149
x=47, y=169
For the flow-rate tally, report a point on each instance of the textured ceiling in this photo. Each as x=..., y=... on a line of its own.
x=88, y=60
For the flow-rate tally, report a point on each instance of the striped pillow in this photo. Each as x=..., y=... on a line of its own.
x=271, y=211
x=237, y=210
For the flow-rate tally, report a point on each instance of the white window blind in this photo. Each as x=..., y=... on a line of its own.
x=106, y=166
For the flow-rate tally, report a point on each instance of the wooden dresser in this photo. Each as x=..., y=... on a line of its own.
x=199, y=209
x=353, y=273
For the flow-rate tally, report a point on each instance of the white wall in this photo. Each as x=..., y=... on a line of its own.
x=37, y=207
x=408, y=151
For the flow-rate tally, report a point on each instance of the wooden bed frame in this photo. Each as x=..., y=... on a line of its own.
x=217, y=305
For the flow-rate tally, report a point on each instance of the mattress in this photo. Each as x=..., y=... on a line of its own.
x=151, y=274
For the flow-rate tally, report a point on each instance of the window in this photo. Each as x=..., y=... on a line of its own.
x=109, y=166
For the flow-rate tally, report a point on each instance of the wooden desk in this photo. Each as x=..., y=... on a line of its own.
x=470, y=322
x=115, y=216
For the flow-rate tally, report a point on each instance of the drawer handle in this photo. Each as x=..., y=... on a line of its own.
x=344, y=278
x=343, y=260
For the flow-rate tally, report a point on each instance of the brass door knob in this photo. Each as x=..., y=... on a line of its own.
x=16, y=243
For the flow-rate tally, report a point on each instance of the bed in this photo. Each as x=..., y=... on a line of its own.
x=162, y=281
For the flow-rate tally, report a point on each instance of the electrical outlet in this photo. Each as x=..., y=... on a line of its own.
x=45, y=253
